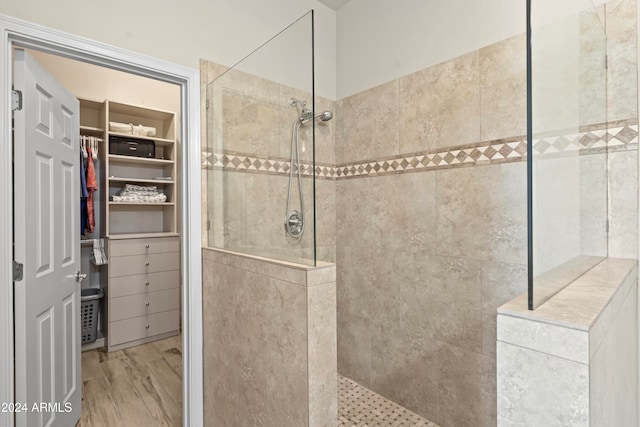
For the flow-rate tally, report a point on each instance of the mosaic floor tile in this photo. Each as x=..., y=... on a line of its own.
x=360, y=407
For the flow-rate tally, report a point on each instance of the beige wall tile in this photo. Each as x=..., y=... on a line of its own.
x=326, y=253
x=266, y=206
x=482, y=212
x=467, y=380
x=214, y=71
x=340, y=142
x=623, y=196
x=404, y=368
x=326, y=132
x=322, y=350
x=321, y=275
x=395, y=212
x=428, y=296
x=236, y=338
x=288, y=116
x=614, y=368
x=593, y=194
x=622, y=90
x=370, y=124
x=592, y=50
x=270, y=346
x=500, y=284
x=403, y=212
x=325, y=212
x=556, y=78
x=227, y=209
x=354, y=348
x=250, y=124
x=557, y=384
x=503, y=89
x=286, y=352
x=220, y=393
x=440, y=106
x=353, y=201
x=355, y=277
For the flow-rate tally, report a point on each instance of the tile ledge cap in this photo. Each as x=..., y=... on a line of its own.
x=517, y=307
x=321, y=264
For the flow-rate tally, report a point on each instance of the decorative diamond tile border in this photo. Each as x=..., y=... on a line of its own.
x=250, y=163
x=482, y=153
x=591, y=139
x=360, y=407
x=615, y=136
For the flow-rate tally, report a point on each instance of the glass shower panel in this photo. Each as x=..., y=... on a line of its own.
x=568, y=145
x=260, y=150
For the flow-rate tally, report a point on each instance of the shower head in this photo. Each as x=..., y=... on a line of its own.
x=325, y=116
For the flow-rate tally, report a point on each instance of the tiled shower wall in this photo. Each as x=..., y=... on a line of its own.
x=426, y=256
x=423, y=203
x=250, y=169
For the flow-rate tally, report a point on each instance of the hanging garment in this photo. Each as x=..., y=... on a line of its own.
x=92, y=186
x=84, y=215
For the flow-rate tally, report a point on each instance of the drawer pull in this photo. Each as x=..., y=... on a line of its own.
x=147, y=327
x=146, y=283
x=147, y=246
x=147, y=304
x=147, y=263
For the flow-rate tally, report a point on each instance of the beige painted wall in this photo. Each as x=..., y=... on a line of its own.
x=182, y=32
x=372, y=49
x=97, y=83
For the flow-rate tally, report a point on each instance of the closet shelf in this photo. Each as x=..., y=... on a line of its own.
x=91, y=130
x=117, y=236
x=86, y=242
x=159, y=141
x=142, y=180
x=115, y=158
x=141, y=204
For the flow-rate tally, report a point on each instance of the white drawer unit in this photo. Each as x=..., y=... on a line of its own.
x=144, y=290
x=141, y=264
x=143, y=327
x=142, y=304
x=156, y=245
x=143, y=283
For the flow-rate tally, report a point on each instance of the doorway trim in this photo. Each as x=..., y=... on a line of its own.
x=19, y=33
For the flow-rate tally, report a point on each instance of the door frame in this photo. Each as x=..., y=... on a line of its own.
x=20, y=33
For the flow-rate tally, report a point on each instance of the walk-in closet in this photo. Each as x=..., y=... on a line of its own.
x=130, y=244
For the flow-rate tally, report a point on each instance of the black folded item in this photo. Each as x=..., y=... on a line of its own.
x=131, y=147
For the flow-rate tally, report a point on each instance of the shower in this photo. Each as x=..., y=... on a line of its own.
x=293, y=218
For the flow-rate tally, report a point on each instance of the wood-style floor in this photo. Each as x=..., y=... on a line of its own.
x=138, y=386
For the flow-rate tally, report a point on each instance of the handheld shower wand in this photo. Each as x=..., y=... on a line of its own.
x=294, y=219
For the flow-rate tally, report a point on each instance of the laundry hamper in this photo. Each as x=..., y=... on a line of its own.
x=89, y=311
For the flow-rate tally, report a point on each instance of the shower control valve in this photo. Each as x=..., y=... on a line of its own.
x=294, y=223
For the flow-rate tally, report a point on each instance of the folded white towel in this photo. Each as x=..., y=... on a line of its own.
x=131, y=129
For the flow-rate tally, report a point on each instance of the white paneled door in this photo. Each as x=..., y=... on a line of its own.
x=48, y=381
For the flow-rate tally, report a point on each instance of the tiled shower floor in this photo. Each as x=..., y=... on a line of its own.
x=360, y=407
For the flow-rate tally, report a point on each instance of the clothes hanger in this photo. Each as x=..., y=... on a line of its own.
x=83, y=146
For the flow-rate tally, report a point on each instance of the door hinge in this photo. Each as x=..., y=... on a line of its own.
x=18, y=270
x=16, y=100
x=207, y=104
x=208, y=224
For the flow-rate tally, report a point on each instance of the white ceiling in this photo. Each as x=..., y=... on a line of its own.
x=334, y=4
